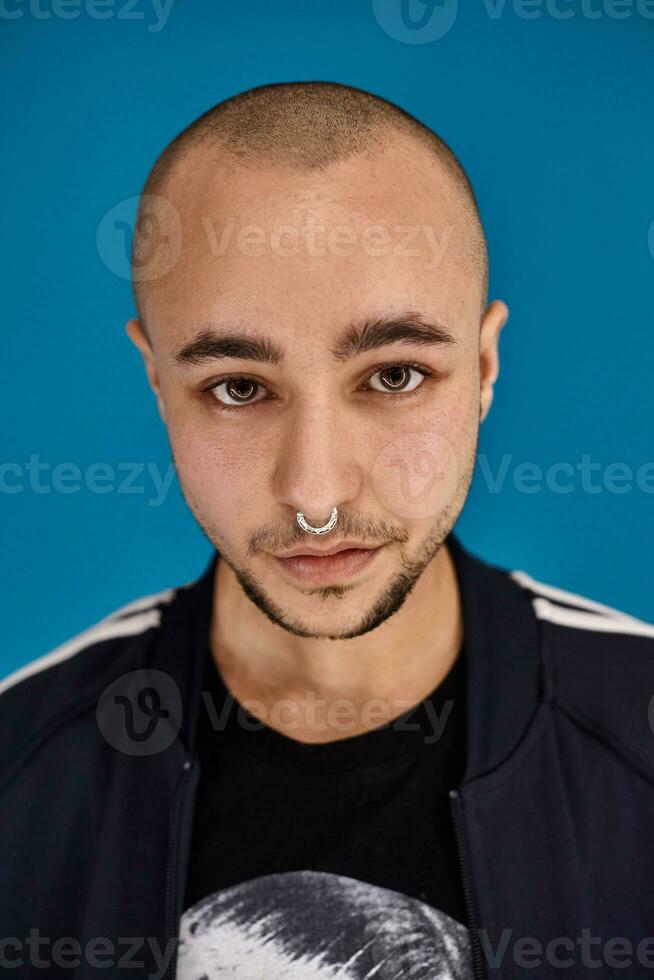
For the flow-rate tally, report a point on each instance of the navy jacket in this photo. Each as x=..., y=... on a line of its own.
x=554, y=816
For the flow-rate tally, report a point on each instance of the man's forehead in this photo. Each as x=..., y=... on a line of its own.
x=404, y=178
x=296, y=302
x=297, y=238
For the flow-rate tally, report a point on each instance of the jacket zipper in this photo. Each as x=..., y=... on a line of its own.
x=478, y=966
x=172, y=870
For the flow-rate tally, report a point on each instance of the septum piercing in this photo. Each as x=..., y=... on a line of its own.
x=317, y=530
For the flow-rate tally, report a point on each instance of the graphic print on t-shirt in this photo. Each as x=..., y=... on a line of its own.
x=307, y=925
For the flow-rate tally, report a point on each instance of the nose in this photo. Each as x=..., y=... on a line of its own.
x=317, y=468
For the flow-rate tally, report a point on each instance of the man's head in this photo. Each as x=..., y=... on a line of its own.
x=313, y=239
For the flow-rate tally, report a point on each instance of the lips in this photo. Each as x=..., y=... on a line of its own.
x=325, y=552
x=328, y=569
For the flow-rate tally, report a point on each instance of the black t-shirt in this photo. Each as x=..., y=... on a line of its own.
x=308, y=859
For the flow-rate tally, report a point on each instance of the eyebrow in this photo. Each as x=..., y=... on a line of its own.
x=211, y=344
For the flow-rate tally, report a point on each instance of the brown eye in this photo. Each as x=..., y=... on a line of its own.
x=238, y=390
x=396, y=376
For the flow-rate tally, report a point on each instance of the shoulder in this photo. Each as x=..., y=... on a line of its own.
x=598, y=666
x=70, y=674
x=51, y=702
x=572, y=611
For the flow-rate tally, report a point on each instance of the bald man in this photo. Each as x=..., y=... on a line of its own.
x=349, y=747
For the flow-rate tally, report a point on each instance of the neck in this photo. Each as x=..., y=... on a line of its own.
x=374, y=678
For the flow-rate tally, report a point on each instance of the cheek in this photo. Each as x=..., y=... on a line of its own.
x=222, y=467
x=417, y=470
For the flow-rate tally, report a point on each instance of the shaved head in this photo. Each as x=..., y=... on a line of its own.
x=308, y=127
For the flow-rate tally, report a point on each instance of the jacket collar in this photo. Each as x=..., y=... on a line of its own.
x=501, y=642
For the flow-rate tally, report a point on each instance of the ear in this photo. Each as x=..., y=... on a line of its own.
x=493, y=320
x=136, y=333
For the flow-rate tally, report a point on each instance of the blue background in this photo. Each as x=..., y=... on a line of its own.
x=552, y=119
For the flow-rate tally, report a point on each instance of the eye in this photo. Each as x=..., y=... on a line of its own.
x=397, y=375
x=237, y=387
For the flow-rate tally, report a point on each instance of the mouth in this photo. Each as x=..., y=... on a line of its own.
x=306, y=549
x=328, y=569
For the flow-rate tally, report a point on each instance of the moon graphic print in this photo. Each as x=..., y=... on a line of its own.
x=308, y=925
